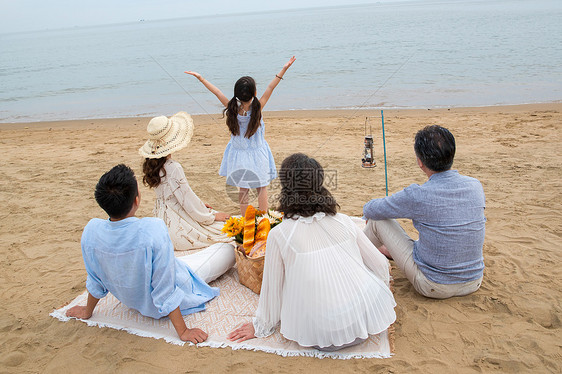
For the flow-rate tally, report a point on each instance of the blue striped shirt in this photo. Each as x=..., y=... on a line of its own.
x=448, y=212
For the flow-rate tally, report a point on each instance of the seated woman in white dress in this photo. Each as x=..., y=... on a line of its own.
x=323, y=281
x=191, y=223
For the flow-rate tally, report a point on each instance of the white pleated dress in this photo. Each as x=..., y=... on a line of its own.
x=191, y=224
x=325, y=282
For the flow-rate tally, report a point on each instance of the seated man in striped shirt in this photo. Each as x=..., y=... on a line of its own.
x=447, y=211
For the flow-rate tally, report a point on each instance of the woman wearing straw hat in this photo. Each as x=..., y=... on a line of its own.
x=191, y=223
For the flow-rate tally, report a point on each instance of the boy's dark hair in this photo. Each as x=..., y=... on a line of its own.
x=435, y=147
x=302, y=190
x=116, y=191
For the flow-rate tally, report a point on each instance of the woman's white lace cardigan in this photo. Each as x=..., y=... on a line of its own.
x=190, y=223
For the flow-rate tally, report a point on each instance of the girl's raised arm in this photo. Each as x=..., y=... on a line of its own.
x=211, y=87
x=269, y=90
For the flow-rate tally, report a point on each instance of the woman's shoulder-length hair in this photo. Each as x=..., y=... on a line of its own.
x=302, y=188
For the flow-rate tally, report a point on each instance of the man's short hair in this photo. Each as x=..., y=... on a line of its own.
x=116, y=191
x=435, y=147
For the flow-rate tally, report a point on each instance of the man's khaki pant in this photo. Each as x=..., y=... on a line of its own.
x=400, y=246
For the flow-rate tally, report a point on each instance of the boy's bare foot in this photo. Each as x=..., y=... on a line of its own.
x=382, y=249
x=78, y=311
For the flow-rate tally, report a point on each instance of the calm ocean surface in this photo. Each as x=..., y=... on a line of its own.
x=406, y=55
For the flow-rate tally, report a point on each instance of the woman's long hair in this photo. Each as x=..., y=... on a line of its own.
x=244, y=91
x=302, y=190
x=151, y=169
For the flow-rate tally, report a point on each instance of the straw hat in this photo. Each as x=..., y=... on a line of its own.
x=167, y=135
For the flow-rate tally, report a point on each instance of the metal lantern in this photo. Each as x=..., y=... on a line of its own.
x=368, y=160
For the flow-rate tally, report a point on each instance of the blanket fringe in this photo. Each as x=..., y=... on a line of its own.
x=234, y=346
x=292, y=353
x=132, y=331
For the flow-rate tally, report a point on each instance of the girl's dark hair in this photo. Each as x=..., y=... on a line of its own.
x=151, y=168
x=116, y=191
x=244, y=90
x=302, y=190
x=435, y=147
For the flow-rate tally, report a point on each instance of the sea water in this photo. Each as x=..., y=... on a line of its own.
x=421, y=54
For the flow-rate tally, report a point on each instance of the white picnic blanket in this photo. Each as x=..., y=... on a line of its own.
x=236, y=304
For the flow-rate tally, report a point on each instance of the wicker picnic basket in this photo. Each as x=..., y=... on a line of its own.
x=250, y=269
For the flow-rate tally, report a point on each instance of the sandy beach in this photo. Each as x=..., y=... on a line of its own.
x=512, y=324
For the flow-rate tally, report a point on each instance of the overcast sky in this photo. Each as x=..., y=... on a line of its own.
x=28, y=15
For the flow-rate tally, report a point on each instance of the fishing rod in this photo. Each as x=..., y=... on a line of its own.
x=368, y=160
x=183, y=89
x=368, y=98
x=384, y=147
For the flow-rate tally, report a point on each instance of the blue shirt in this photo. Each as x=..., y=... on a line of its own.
x=448, y=212
x=134, y=260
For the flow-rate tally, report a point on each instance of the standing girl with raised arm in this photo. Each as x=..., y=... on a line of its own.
x=247, y=161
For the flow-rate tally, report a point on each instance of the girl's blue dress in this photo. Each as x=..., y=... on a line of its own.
x=248, y=163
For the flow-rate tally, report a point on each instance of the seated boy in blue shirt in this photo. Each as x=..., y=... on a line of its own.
x=134, y=260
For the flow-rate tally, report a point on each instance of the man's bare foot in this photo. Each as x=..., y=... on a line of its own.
x=382, y=249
